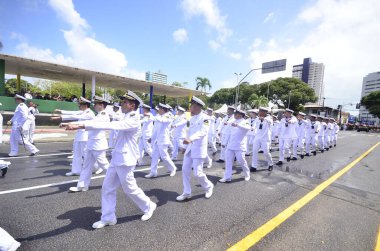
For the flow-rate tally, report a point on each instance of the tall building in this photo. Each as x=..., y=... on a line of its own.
x=312, y=74
x=156, y=77
x=371, y=83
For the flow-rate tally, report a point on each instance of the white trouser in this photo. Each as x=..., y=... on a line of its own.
x=92, y=157
x=177, y=143
x=116, y=176
x=321, y=142
x=311, y=140
x=240, y=158
x=264, y=145
x=334, y=139
x=250, y=139
x=299, y=144
x=212, y=142
x=28, y=129
x=327, y=141
x=79, y=151
x=144, y=146
x=197, y=165
x=223, y=149
x=112, y=138
x=284, y=148
x=7, y=242
x=15, y=139
x=161, y=151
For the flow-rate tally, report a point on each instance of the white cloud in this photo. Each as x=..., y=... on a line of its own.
x=269, y=17
x=256, y=44
x=344, y=35
x=214, y=45
x=210, y=11
x=180, y=36
x=234, y=55
x=85, y=51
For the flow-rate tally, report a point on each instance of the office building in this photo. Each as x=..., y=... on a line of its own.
x=371, y=83
x=156, y=77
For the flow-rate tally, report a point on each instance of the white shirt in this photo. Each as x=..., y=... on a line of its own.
x=147, y=125
x=161, y=134
x=322, y=129
x=301, y=129
x=287, y=129
x=264, y=129
x=87, y=114
x=238, y=135
x=32, y=113
x=197, y=133
x=126, y=151
x=252, y=125
x=97, y=139
x=180, y=126
x=20, y=116
x=312, y=127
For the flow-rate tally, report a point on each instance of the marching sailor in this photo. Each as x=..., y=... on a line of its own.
x=179, y=126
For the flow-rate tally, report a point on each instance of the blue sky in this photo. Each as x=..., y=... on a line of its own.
x=207, y=38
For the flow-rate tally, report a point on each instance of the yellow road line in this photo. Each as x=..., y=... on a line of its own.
x=254, y=237
x=377, y=248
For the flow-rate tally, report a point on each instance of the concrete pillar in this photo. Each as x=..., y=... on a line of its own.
x=18, y=84
x=151, y=96
x=2, y=77
x=93, y=86
x=84, y=90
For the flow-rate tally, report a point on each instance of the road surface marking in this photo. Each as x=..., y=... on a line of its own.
x=60, y=183
x=38, y=155
x=254, y=237
x=377, y=247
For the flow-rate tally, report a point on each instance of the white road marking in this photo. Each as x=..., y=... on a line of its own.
x=60, y=183
x=38, y=155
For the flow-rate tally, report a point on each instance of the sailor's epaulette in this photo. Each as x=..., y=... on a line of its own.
x=21, y=103
x=103, y=113
x=132, y=114
x=205, y=122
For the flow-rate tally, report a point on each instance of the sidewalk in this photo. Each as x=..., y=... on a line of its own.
x=43, y=134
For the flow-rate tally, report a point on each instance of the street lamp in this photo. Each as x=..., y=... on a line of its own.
x=237, y=88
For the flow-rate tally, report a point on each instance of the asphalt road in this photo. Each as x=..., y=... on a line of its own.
x=345, y=216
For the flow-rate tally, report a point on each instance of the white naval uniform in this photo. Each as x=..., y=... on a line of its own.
x=18, y=120
x=160, y=143
x=251, y=134
x=179, y=133
x=321, y=136
x=287, y=133
x=236, y=147
x=262, y=140
x=275, y=131
x=335, y=133
x=123, y=162
x=115, y=116
x=146, y=134
x=218, y=123
x=30, y=123
x=95, y=150
x=81, y=136
x=211, y=133
x=1, y=128
x=224, y=134
x=312, y=130
x=7, y=242
x=328, y=137
x=195, y=153
x=299, y=143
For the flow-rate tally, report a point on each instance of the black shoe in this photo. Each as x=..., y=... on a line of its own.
x=330, y=146
x=327, y=149
x=322, y=151
x=235, y=159
x=253, y=169
x=334, y=145
x=294, y=158
x=4, y=171
x=307, y=154
x=261, y=151
x=270, y=168
x=220, y=161
x=247, y=154
x=315, y=153
x=279, y=163
x=302, y=156
x=33, y=143
x=288, y=159
x=32, y=154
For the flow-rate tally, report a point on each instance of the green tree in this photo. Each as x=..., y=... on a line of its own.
x=372, y=103
x=179, y=84
x=11, y=87
x=202, y=84
x=255, y=101
x=223, y=96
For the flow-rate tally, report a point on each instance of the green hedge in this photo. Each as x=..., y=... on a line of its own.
x=44, y=106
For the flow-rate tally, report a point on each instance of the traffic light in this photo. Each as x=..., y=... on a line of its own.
x=358, y=106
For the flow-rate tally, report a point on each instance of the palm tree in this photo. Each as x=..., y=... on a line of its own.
x=256, y=101
x=203, y=84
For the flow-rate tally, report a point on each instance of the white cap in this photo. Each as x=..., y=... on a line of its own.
x=289, y=110
x=164, y=106
x=83, y=100
x=98, y=99
x=301, y=113
x=20, y=97
x=230, y=107
x=263, y=109
x=130, y=95
x=240, y=111
x=198, y=101
x=146, y=106
x=181, y=109
x=209, y=109
x=116, y=104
